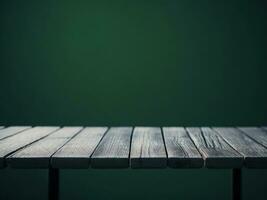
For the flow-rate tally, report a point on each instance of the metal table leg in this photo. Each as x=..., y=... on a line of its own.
x=53, y=184
x=237, y=184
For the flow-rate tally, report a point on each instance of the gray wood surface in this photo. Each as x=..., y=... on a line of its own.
x=9, y=131
x=255, y=154
x=37, y=155
x=18, y=141
x=147, y=148
x=264, y=128
x=76, y=153
x=255, y=133
x=1, y=127
x=181, y=151
x=113, y=150
x=214, y=149
x=143, y=147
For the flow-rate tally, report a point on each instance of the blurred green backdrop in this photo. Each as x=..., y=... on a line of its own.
x=126, y=62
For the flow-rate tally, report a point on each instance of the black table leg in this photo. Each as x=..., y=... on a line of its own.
x=237, y=184
x=53, y=184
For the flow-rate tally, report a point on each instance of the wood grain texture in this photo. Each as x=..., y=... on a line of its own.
x=13, y=143
x=214, y=149
x=148, y=149
x=77, y=152
x=145, y=147
x=181, y=151
x=113, y=150
x=255, y=154
x=255, y=133
x=9, y=131
x=37, y=155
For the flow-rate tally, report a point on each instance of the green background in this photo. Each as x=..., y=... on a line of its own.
x=115, y=63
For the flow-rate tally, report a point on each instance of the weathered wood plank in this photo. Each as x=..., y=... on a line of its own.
x=76, y=153
x=37, y=155
x=181, y=151
x=215, y=150
x=255, y=133
x=18, y=141
x=255, y=154
x=9, y=131
x=113, y=150
x=148, y=149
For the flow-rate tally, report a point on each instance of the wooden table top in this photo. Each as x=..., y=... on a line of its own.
x=134, y=147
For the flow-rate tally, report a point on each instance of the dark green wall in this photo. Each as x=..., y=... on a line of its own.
x=149, y=62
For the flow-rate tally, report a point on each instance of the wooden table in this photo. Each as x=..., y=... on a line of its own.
x=56, y=148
